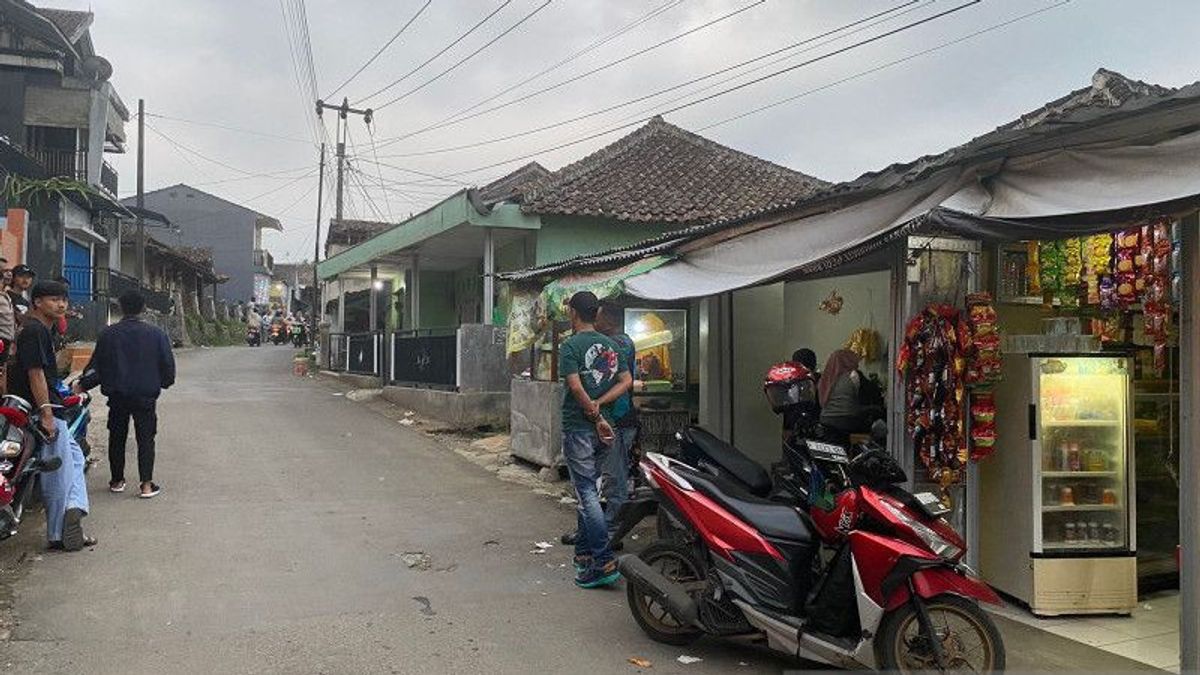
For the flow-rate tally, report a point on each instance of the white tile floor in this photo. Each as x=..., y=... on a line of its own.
x=1150, y=635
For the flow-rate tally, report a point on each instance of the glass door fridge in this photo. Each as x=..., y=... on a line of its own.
x=1083, y=415
x=1057, y=495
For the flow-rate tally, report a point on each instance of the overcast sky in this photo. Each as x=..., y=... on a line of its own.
x=228, y=62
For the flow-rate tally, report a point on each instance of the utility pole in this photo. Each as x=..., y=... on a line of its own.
x=344, y=110
x=315, y=310
x=141, y=192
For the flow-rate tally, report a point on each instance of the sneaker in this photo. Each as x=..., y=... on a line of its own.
x=153, y=492
x=582, y=562
x=595, y=577
x=73, y=539
x=116, y=486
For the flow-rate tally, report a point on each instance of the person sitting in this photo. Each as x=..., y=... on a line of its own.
x=34, y=377
x=841, y=393
x=793, y=418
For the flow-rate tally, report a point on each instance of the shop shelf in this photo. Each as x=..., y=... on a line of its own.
x=1062, y=508
x=1079, y=474
x=1081, y=545
x=1082, y=423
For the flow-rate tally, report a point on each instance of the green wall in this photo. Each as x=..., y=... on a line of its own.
x=563, y=237
x=437, y=300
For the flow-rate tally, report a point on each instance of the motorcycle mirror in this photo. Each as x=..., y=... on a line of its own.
x=879, y=432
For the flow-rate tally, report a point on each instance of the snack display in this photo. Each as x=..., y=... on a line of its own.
x=933, y=365
x=1032, y=268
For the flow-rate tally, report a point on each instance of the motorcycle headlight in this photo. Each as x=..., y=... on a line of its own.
x=9, y=449
x=933, y=540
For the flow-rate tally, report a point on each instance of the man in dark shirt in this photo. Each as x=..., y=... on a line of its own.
x=22, y=280
x=34, y=377
x=132, y=364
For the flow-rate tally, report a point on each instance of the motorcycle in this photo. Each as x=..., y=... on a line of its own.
x=21, y=440
x=253, y=336
x=278, y=334
x=298, y=335
x=862, y=574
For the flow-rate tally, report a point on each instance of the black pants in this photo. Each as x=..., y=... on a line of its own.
x=145, y=421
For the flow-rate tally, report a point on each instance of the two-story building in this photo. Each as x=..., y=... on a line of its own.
x=232, y=232
x=58, y=108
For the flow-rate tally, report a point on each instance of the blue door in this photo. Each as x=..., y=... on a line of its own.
x=77, y=268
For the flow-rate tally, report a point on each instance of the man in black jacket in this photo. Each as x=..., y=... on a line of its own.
x=132, y=364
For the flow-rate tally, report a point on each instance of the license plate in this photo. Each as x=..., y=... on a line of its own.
x=827, y=452
x=933, y=506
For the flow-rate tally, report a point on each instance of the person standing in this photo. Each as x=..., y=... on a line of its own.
x=596, y=375
x=132, y=364
x=8, y=325
x=34, y=377
x=22, y=281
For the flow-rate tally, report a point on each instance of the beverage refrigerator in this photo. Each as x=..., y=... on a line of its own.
x=1056, y=502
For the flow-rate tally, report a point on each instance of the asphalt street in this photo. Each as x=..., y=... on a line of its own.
x=282, y=543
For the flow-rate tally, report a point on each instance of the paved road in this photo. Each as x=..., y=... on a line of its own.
x=276, y=547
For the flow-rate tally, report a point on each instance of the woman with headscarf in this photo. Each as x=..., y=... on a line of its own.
x=839, y=394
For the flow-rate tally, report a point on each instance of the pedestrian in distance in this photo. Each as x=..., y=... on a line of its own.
x=132, y=364
x=34, y=377
x=596, y=375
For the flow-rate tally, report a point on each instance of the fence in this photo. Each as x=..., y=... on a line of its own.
x=356, y=353
x=94, y=289
x=426, y=357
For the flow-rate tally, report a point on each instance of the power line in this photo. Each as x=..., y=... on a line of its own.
x=724, y=92
x=884, y=66
x=381, y=50
x=297, y=68
x=387, y=202
x=197, y=153
x=862, y=24
x=443, y=50
x=468, y=57
x=661, y=9
x=214, y=125
x=281, y=187
x=576, y=78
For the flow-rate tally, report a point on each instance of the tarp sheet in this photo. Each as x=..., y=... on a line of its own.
x=1038, y=187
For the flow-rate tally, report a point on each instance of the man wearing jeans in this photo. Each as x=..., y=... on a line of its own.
x=596, y=375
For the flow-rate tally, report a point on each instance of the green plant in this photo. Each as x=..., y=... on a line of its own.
x=21, y=191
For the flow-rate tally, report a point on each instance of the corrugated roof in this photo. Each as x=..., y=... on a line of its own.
x=664, y=174
x=1110, y=95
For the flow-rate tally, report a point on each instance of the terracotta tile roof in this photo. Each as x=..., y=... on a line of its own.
x=70, y=22
x=349, y=232
x=664, y=174
x=509, y=187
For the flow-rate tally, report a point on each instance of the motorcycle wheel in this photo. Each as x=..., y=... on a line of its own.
x=970, y=641
x=651, y=615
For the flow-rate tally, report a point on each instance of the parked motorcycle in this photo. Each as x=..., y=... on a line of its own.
x=21, y=440
x=862, y=574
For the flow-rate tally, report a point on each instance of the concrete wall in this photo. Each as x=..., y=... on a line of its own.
x=867, y=305
x=482, y=361
x=457, y=410
x=758, y=343
x=211, y=222
x=536, y=427
x=44, y=239
x=563, y=237
x=12, y=105
x=437, y=300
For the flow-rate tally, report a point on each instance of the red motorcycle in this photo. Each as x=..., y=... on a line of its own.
x=867, y=575
x=20, y=440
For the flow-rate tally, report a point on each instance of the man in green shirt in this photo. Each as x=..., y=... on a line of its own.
x=596, y=375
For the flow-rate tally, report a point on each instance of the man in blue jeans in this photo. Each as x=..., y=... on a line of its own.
x=596, y=375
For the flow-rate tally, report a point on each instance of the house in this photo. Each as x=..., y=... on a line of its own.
x=439, y=265
x=232, y=232
x=58, y=108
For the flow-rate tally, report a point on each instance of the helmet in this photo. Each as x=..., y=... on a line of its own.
x=789, y=385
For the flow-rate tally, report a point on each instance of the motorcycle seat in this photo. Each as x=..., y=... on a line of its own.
x=728, y=459
x=772, y=519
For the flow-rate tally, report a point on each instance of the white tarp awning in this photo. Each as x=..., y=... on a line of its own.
x=1046, y=185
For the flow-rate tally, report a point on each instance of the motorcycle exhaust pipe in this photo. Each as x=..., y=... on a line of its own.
x=674, y=596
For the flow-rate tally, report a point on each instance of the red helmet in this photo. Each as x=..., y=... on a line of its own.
x=789, y=384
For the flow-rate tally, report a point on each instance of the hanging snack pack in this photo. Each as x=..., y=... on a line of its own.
x=932, y=363
x=1126, y=250
x=1068, y=292
x=1097, y=266
x=1052, y=266
x=1157, y=248
x=983, y=424
x=1033, y=269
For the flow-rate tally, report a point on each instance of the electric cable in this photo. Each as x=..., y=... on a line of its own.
x=468, y=57
x=381, y=50
x=443, y=50
x=589, y=73
x=226, y=127
x=839, y=33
